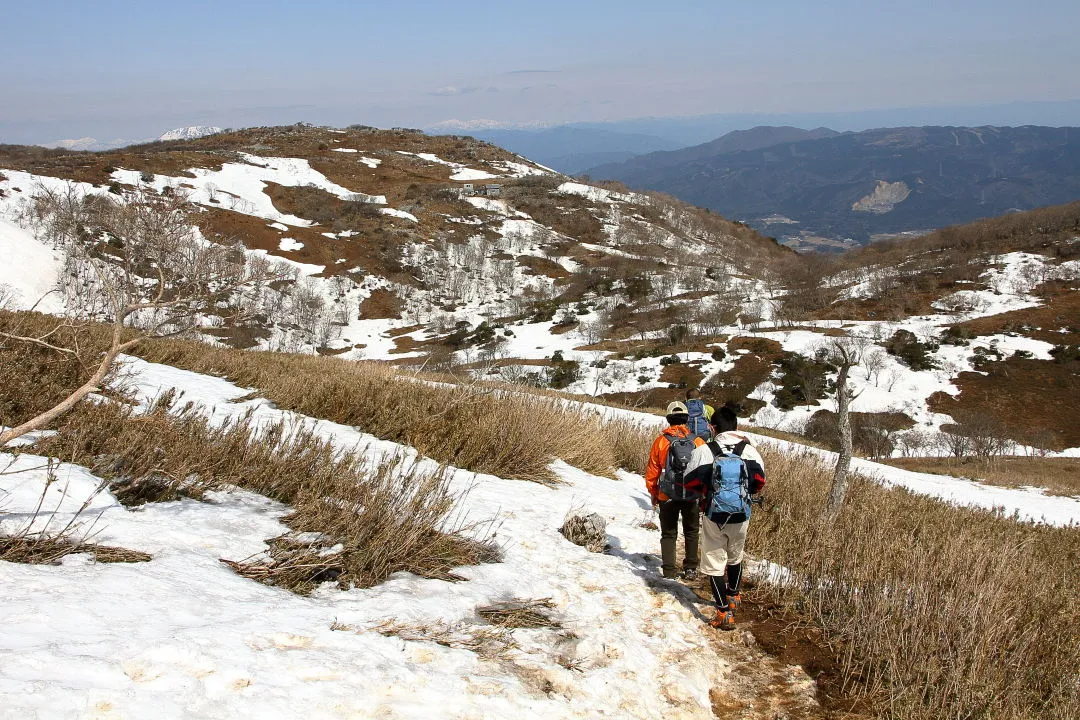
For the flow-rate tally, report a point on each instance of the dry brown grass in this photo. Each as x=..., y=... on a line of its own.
x=471, y=427
x=354, y=520
x=938, y=611
x=1059, y=476
x=44, y=550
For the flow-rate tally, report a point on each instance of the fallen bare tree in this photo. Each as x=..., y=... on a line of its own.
x=134, y=263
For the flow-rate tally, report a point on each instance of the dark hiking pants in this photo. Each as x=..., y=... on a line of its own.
x=670, y=511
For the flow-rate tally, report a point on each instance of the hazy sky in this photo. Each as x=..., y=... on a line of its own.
x=115, y=69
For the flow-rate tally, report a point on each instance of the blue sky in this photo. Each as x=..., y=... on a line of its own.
x=132, y=69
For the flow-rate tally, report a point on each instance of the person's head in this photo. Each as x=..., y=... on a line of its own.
x=725, y=420
x=677, y=413
x=692, y=394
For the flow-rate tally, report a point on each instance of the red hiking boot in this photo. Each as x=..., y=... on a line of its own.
x=724, y=620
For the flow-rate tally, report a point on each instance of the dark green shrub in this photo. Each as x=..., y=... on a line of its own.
x=907, y=348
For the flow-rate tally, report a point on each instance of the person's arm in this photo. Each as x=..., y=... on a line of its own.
x=699, y=468
x=657, y=456
x=755, y=468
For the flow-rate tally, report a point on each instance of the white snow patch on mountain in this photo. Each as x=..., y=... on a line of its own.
x=597, y=194
x=290, y=244
x=466, y=174
x=240, y=186
x=399, y=214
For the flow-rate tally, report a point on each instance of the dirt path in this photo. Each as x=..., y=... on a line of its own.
x=780, y=671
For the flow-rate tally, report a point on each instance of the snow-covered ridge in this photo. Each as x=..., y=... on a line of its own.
x=189, y=133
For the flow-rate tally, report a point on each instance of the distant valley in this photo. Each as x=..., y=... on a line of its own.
x=825, y=190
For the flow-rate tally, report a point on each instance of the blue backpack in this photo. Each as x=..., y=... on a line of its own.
x=730, y=482
x=696, y=420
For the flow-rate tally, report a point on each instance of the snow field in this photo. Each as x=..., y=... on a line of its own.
x=240, y=186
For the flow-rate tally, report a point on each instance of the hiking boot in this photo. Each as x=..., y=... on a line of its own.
x=724, y=620
x=690, y=574
x=734, y=601
x=671, y=574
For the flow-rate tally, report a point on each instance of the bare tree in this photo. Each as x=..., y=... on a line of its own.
x=873, y=362
x=843, y=354
x=150, y=275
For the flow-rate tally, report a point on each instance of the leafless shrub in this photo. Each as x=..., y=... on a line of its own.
x=136, y=264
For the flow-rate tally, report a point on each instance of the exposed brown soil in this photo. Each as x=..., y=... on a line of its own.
x=240, y=338
x=1035, y=399
x=542, y=266
x=682, y=375
x=381, y=304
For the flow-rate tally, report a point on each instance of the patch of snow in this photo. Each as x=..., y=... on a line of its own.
x=302, y=268
x=597, y=194
x=240, y=186
x=29, y=270
x=467, y=174
x=399, y=214
x=288, y=244
x=344, y=150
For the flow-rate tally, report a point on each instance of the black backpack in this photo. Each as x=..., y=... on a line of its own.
x=673, y=481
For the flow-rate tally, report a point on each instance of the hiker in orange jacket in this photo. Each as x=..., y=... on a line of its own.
x=668, y=458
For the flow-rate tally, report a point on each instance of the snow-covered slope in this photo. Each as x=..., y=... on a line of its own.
x=184, y=636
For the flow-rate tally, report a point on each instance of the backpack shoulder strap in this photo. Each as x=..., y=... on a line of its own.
x=738, y=449
x=715, y=447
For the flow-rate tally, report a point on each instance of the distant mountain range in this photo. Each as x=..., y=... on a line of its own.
x=819, y=186
x=90, y=144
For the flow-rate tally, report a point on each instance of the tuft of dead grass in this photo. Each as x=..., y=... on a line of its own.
x=47, y=550
x=490, y=643
x=521, y=613
x=588, y=531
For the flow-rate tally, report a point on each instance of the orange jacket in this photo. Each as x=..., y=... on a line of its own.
x=658, y=458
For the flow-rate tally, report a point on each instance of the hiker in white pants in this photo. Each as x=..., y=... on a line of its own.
x=727, y=513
